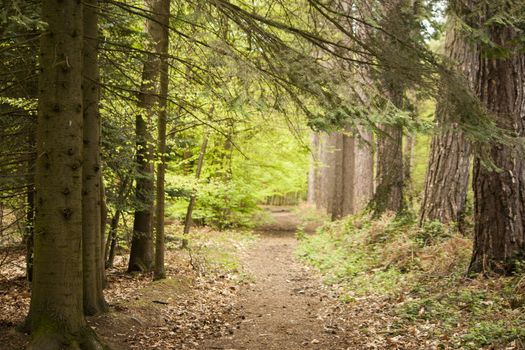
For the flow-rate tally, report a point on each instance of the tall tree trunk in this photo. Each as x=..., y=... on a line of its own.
x=338, y=195
x=141, y=254
x=111, y=244
x=30, y=210
x=163, y=18
x=448, y=168
x=94, y=302
x=390, y=194
x=56, y=312
x=499, y=194
x=328, y=159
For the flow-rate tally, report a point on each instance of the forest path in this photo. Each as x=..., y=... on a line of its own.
x=285, y=306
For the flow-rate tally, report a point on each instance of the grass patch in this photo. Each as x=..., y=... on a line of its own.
x=421, y=271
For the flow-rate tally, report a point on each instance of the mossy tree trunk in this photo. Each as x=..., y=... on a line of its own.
x=56, y=313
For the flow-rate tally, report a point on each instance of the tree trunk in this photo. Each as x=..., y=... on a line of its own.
x=327, y=171
x=163, y=18
x=112, y=240
x=364, y=170
x=56, y=313
x=338, y=195
x=141, y=254
x=448, y=168
x=499, y=194
x=344, y=178
x=94, y=302
x=30, y=210
x=389, y=173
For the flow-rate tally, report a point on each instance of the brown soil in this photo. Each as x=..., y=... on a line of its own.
x=286, y=306
x=276, y=303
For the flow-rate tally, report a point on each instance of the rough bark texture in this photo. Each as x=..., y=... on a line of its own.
x=389, y=173
x=30, y=209
x=449, y=161
x=500, y=194
x=163, y=18
x=141, y=255
x=338, y=195
x=93, y=260
x=56, y=312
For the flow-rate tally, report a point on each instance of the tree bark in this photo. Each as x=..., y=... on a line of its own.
x=327, y=171
x=338, y=195
x=163, y=18
x=94, y=302
x=389, y=173
x=141, y=254
x=449, y=161
x=112, y=240
x=56, y=313
x=499, y=194
x=30, y=210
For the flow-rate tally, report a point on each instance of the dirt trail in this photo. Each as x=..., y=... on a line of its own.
x=286, y=306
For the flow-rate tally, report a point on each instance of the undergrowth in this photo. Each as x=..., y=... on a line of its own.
x=212, y=252
x=422, y=272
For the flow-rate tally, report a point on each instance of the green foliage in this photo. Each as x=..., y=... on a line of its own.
x=261, y=159
x=431, y=233
x=493, y=333
x=341, y=251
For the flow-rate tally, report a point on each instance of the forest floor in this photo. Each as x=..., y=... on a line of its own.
x=232, y=291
